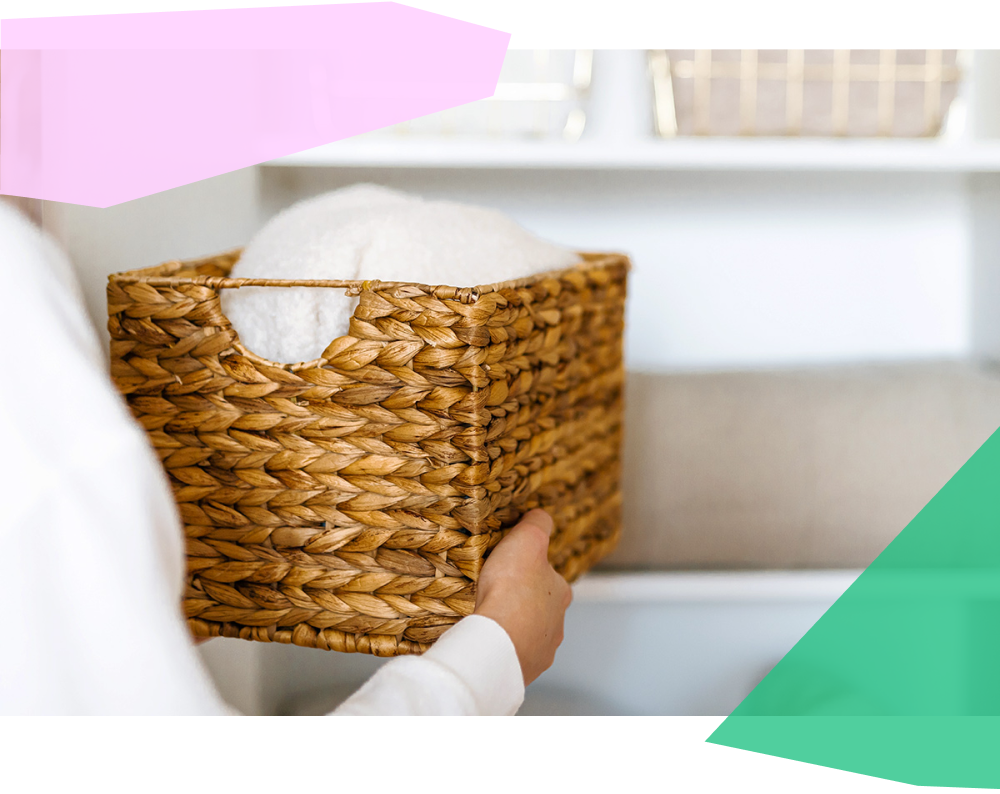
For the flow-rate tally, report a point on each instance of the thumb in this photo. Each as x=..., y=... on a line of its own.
x=538, y=519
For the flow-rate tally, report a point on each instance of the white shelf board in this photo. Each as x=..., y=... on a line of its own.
x=718, y=154
x=954, y=585
x=713, y=586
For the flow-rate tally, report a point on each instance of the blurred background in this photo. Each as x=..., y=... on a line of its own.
x=811, y=328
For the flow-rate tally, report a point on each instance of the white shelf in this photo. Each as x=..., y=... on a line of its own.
x=720, y=154
x=714, y=586
x=945, y=586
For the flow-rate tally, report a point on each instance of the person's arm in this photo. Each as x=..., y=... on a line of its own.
x=89, y=528
x=472, y=670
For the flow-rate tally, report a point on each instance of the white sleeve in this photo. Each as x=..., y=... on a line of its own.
x=93, y=545
x=472, y=670
x=90, y=534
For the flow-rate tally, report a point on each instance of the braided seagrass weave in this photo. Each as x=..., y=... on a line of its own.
x=347, y=503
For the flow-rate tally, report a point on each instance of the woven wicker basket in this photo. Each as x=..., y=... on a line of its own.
x=347, y=503
x=852, y=93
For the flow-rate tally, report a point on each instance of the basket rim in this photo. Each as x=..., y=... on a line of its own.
x=159, y=276
x=466, y=295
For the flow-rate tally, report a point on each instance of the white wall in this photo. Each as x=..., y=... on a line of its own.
x=195, y=220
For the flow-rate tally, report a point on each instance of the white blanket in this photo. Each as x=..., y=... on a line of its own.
x=369, y=232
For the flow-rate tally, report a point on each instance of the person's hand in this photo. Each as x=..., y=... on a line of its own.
x=521, y=591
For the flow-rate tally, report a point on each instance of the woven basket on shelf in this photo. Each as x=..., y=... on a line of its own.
x=851, y=93
x=347, y=503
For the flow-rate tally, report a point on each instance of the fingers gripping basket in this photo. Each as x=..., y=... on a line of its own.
x=348, y=503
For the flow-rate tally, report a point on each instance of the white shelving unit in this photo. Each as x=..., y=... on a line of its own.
x=706, y=587
x=619, y=135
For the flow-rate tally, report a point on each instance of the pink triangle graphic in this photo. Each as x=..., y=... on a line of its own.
x=98, y=110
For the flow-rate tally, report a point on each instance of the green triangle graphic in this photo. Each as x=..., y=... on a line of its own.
x=900, y=678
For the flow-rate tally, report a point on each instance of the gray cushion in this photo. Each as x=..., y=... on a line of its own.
x=807, y=468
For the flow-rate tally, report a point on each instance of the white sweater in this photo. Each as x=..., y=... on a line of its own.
x=92, y=546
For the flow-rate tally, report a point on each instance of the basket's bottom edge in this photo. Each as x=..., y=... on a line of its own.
x=307, y=636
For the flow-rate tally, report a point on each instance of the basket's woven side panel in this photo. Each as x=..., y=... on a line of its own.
x=555, y=434
x=338, y=506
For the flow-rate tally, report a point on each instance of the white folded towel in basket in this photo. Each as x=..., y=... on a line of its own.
x=369, y=232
